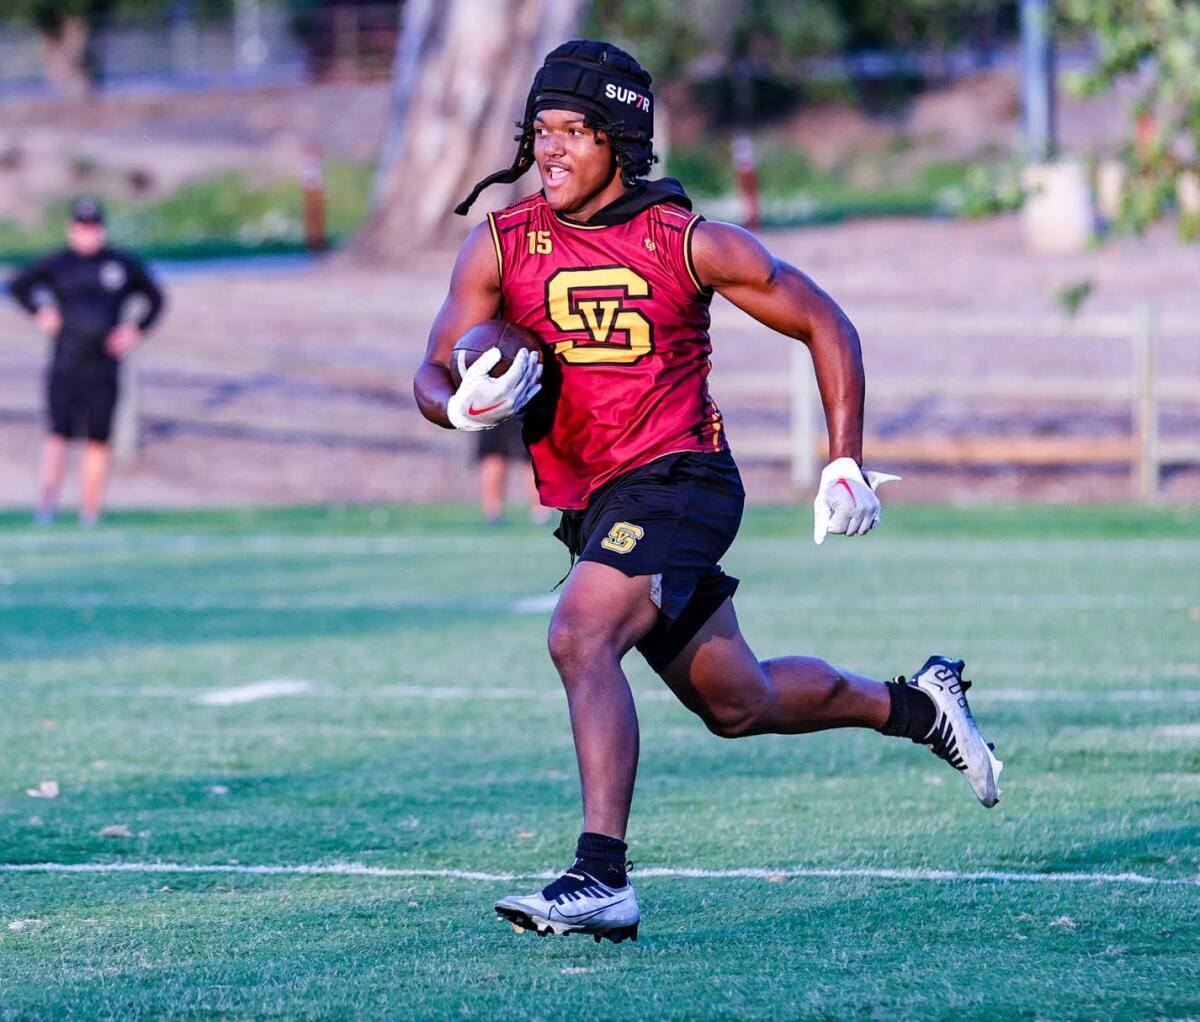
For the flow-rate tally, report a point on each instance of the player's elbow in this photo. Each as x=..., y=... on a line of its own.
x=845, y=329
x=429, y=384
x=848, y=332
x=834, y=326
x=831, y=332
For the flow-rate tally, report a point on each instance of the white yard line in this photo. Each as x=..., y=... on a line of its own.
x=954, y=549
x=542, y=603
x=451, y=693
x=552, y=692
x=666, y=873
x=252, y=693
x=538, y=603
x=960, y=603
x=1180, y=731
x=267, y=545
x=204, y=601
x=1067, y=695
x=981, y=695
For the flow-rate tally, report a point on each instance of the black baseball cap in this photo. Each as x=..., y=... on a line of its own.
x=86, y=210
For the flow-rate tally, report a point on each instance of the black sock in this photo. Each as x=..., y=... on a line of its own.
x=913, y=712
x=602, y=857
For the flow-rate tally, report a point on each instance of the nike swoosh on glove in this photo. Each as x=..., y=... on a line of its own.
x=483, y=401
x=846, y=503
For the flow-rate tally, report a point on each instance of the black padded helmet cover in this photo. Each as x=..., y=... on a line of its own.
x=597, y=79
x=591, y=77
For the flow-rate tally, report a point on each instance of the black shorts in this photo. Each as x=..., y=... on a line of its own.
x=504, y=440
x=672, y=520
x=81, y=401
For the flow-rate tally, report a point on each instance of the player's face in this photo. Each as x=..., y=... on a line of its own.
x=86, y=239
x=575, y=161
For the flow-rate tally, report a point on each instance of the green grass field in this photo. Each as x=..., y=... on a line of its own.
x=424, y=731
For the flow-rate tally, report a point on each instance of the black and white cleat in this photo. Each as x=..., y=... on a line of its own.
x=575, y=903
x=955, y=736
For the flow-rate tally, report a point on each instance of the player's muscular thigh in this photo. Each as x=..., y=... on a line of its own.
x=718, y=678
x=602, y=613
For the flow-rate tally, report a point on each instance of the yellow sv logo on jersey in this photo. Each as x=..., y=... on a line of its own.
x=622, y=537
x=593, y=301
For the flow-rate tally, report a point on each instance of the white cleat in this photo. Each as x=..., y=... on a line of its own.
x=575, y=903
x=955, y=736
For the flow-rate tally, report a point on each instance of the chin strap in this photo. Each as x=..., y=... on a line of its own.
x=521, y=164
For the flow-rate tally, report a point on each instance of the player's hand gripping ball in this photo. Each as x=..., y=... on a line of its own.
x=497, y=369
x=846, y=503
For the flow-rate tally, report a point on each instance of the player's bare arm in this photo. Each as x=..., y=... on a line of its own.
x=481, y=400
x=474, y=296
x=737, y=266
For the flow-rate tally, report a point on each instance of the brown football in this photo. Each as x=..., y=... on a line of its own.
x=493, y=333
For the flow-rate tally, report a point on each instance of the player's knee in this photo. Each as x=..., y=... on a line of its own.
x=573, y=643
x=732, y=721
x=739, y=718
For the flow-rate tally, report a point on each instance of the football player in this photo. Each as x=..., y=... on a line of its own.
x=615, y=273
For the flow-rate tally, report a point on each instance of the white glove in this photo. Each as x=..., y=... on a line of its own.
x=846, y=503
x=482, y=401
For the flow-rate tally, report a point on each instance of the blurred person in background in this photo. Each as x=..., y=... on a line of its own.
x=79, y=296
x=495, y=450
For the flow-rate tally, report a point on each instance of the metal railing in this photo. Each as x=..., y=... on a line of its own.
x=263, y=44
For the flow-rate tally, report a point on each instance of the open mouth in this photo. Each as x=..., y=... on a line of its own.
x=555, y=174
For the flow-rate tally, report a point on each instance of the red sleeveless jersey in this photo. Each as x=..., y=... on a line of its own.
x=627, y=321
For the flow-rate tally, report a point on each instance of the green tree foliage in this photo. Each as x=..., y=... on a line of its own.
x=666, y=34
x=775, y=33
x=940, y=24
x=1154, y=46
x=48, y=16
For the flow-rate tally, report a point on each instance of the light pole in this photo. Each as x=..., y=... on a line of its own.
x=1037, y=79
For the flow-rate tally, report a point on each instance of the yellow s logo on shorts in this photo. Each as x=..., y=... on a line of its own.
x=622, y=537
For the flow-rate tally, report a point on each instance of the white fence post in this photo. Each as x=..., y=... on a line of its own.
x=804, y=418
x=126, y=425
x=1145, y=405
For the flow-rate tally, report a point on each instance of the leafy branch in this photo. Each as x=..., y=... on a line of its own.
x=1154, y=46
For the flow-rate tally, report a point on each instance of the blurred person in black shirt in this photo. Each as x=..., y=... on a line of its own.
x=79, y=296
x=495, y=450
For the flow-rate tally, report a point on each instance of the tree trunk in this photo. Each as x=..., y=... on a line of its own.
x=462, y=72
x=66, y=52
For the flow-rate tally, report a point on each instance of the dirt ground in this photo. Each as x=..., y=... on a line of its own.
x=269, y=384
